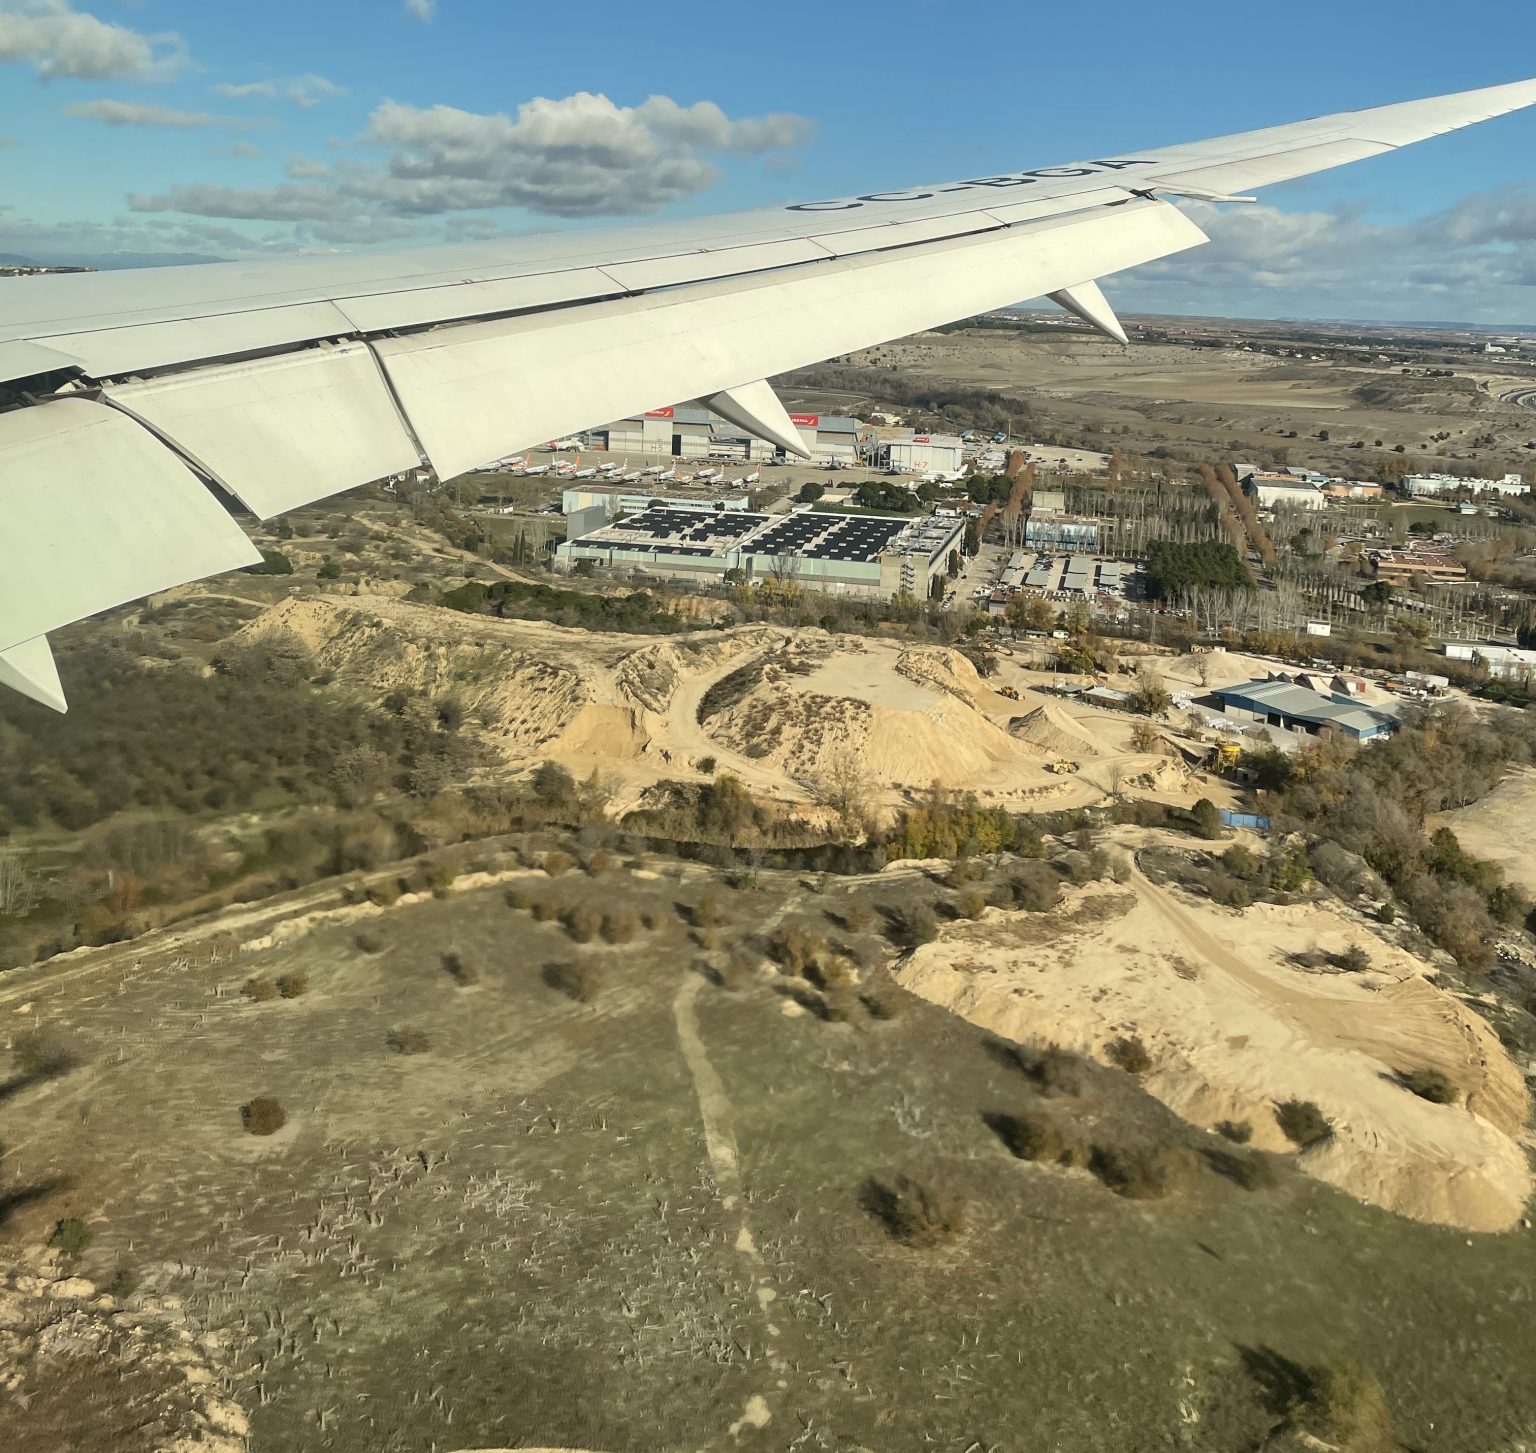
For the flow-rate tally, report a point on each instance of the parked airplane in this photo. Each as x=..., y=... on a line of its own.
x=750, y=478
x=650, y=469
x=590, y=473
x=665, y=475
x=536, y=471
x=137, y=403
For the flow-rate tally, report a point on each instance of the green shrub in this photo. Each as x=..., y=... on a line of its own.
x=1354, y=960
x=1302, y=1122
x=557, y=863
x=260, y=990
x=545, y=910
x=71, y=1238
x=1344, y=1406
x=600, y=862
x=461, y=969
x=293, y=985
x=1239, y=1132
x=1252, y=1170
x=971, y=904
x=263, y=1116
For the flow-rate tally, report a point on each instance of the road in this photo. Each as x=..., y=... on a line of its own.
x=1524, y=398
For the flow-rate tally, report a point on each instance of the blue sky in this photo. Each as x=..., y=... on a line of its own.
x=190, y=128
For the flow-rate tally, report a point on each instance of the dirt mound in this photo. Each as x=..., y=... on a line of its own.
x=521, y=685
x=1234, y=1027
x=1055, y=733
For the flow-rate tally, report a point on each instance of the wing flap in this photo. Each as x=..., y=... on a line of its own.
x=98, y=512
x=279, y=432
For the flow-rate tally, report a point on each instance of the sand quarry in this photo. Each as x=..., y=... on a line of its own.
x=1499, y=828
x=781, y=710
x=1234, y=1025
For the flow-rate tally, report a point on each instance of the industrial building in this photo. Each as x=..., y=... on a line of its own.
x=872, y=557
x=1047, y=530
x=1285, y=492
x=1504, y=663
x=1288, y=707
x=923, y=453
x=1417, y=562
x=1420, y=485
x=691, y=431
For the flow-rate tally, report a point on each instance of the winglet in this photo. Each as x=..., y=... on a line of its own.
x=30, y=669
x=1088, y=302
x=756, y=408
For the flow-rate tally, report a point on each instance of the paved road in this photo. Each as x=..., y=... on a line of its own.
x=1524, y=398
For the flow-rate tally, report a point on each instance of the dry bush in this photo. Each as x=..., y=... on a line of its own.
x=385, y=894
x=408, y=1041
x=1302, y=1122
x=963, y=871
x=441, y=881
x=582, y=923
x=263, y=1115
x=913, y=1213
x=913, y=925
x=1343, y=1405
x=519, y=898
x=602, y=861
x=620, y=926
x=971, y=904
x=1252, y=1170
x=795, y=949
x=706, y=913
x=733, y=975
x=1130, y=1054
x=545, y=910
x=650, y=920
x=1354, y=960
x=884, y=1003
x=1139, y=1173
x=556, y=863
x=856, y=917
x=833, y=973
x=460, y=968
x=1036, y=1137
x=1035, y=888
x=840, y=1006
x=370, y=941
x=580, y=982
x=1429, y=1085
x=293, y=985
x=1054, y=1071
x=41, y=1054
x=260, y=990
x=1239, y=1132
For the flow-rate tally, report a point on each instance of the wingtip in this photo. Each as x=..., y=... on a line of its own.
x=29, y=668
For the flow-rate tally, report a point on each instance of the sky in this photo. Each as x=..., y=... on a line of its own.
x=171, y=130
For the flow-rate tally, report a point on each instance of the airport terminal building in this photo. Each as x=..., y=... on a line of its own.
x=869, y=557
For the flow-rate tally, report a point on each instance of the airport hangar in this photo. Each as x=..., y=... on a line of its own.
x=870, y=557
x=691, y=431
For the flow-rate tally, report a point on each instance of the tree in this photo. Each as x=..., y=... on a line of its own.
x=1206, y=817
x=1149, y=696
x=936, y=588
x=810, y=492
x=972, y=537
x=273, y=562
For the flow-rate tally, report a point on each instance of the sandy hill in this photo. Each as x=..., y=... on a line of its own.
x=1055, y=733
x=1234, y=1026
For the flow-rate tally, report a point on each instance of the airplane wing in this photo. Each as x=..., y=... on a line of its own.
x=142, y=412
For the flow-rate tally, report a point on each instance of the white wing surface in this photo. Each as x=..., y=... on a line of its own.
x=138, y=408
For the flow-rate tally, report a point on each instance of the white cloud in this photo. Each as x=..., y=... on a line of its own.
x=423, y=10
x=57, y=40
x=138, y=113
x=306, y=90
x=1475, y=261
x=237, y=148
x=305, y=169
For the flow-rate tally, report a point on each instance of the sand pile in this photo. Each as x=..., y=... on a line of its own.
x=1055, y=733
x=807, y=718
x=1234, y=1026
